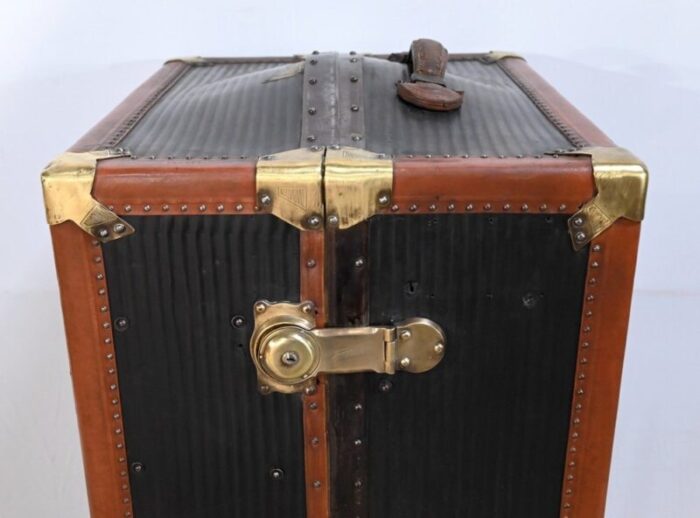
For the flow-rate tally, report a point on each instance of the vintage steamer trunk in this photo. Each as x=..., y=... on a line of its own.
x=346, y=285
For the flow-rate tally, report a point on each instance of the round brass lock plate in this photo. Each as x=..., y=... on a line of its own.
x=289, y=354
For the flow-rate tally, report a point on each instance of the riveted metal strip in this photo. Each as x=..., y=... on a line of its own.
x=351, y=112
x=319, y=126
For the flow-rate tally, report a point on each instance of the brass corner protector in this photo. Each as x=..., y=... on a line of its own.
x=289, y=185
x=67, y=184
x=358, y=184
x=621, y=181
x=189, y=60
x=497, y=55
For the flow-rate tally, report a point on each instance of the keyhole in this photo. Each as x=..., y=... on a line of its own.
x=290, y=358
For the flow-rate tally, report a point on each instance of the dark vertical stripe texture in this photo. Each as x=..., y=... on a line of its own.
x=497, y=117
x=483, y=435
x=193, y=416
x=224, y=110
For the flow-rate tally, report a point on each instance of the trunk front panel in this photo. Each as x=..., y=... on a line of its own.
x=484, y=434
x=202, y=441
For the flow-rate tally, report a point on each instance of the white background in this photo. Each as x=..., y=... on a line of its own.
x=632, y=66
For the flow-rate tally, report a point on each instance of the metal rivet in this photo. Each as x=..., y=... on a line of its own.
x=333, y=220
x=112, y=387
x=315, y=441
x=313, y=81
x=577, y=221
x=183, y=208
x=100, y=276
x=356, y=138
x=394, y=208
x=451, y=207
x=311, y=263
x=590, y=298
x=238, y=321
x=313, y=405
x=103, y=309
x=405, y=362
x=543, y=207
x=119, y=228
x=109, y=356
x=359, y=262
x=597, y=248
x=276, y=474
x=98, y=259
x=106, y=325
x=307, y=308
x=595, y=264
x=562, y=207
x=358, y=407
x=108, y=340
x=469, y=207
x=311, y=138
x=439, y=348
x=525, y=207
x=487, y=206
x=220, y=207
x=358, y=442
x=354, y=79
x=432, y=207
x=313, y=61
x=580, y=236
x=202, y=208
x=317, y=484
x=311, y=111
x=355, y=108
x=314, y=221
x=586, y=344
x=147, y=208
x=239, y=207
x=127, y=208
x=289, y=358
x=264, y=389
x=265, y=199
x=358, y=483
x=101, y=291
x=165, y=208
x=506, y=206
x=260, y=307
x=383, y=199
x=310, y=390
x=103, y=232
x=405, y=334
x=121, y=323
x=413, y=207
x=385, y=385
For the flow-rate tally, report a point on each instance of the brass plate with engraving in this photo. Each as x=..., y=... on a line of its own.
x=289, y=185
x=67, y=184
x=289, y=352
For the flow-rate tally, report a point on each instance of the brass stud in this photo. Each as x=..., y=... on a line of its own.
x=147, y=208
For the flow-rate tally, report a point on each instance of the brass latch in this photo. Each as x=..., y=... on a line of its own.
x=289, y=352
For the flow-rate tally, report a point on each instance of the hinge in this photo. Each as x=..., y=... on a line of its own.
x=289, y=352
x=621, y=181
x=67, y=185
x=342, y=186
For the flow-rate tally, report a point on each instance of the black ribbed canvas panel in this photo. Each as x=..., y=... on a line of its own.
x=496, y=118
x=484, y=434
x=192, y=412
x=250, y=109
x=224, y=110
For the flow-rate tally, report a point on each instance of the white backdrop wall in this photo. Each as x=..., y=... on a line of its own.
x=631, y=66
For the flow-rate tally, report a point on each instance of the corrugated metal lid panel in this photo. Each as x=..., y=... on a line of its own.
x=251, y=109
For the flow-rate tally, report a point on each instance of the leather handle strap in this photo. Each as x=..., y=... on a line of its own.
x=427, y=63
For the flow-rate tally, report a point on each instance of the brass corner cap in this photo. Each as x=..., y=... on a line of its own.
x=621, y=181
x=67, y=185
x=497, y=55
x=190, y=60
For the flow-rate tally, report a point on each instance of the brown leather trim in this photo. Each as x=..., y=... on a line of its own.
x=159, y=187
x=573, y=124
x=114, y=127
x=87, y=321
x=606, y=310
x=548, y=185
x=315, y=405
